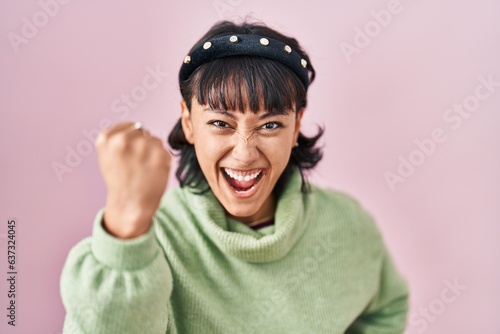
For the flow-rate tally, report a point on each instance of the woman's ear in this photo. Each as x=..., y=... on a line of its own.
x=296, y=131
x=187, y=125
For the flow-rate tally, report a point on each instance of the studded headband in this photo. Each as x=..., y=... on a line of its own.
x=245, y=45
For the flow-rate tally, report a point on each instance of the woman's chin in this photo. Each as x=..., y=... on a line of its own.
x=241, y=214
x=247, y=211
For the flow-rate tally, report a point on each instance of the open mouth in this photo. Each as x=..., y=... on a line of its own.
x=242, y=181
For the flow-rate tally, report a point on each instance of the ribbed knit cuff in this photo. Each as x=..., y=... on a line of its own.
x=123, y=254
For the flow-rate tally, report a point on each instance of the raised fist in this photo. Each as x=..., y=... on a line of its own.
x=135, y=167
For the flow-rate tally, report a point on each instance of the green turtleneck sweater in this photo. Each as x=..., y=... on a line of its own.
x=321, y=268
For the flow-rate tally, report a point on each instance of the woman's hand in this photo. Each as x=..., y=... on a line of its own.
x=135, y=167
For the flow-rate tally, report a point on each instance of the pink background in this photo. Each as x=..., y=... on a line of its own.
x=441, y=224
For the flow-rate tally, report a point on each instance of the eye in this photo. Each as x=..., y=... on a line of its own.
x=272, y=126
x=219, y=124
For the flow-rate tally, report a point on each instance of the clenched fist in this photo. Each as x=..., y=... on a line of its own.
x=135, y=168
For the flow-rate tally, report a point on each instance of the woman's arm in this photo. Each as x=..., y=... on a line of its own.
x=119, y=280
x=112, y=285
x=387, y=312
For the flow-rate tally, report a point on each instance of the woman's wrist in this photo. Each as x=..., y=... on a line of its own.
x=126, y=224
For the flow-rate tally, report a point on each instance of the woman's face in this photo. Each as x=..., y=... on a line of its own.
x=242, y=155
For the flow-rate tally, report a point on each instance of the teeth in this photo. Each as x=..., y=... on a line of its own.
x=241, y=178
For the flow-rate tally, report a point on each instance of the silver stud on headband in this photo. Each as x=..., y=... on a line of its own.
x=264, y=41
x=303, y=62
x=207, y=45
x=187, y=59
x=288, y=49
x=233, y=39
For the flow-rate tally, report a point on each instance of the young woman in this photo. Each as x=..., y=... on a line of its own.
x=244, y=244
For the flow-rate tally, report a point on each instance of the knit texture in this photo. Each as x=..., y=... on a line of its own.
x=321, y=268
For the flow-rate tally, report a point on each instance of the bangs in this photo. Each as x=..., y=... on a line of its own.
x=247, y=83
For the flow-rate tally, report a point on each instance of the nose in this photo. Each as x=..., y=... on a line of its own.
x=245, y=150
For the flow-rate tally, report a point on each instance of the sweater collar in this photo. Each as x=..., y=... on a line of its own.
x=234, y=238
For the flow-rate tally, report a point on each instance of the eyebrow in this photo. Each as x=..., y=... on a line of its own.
x=230, y=115
x=221, y=112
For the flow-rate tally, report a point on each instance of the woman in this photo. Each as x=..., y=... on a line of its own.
x=244, y=244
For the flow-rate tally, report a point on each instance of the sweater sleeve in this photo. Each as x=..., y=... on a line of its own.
x=111, y=285
x=387, y=311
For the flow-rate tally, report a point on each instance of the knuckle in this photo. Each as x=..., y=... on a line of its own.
x=155, y=144
x=100, y=139
x=156, y=141
x=142, y=147
x=118, y=142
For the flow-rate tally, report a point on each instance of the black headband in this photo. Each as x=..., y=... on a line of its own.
x=245, y=45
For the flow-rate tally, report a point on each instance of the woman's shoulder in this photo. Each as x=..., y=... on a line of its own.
x=331, y=197
x=341, y=210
